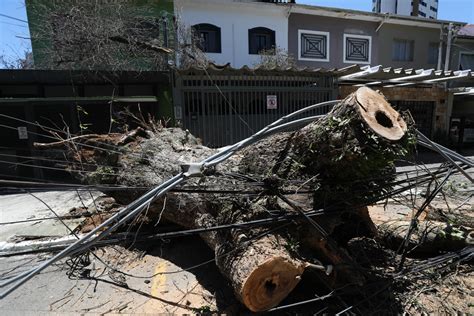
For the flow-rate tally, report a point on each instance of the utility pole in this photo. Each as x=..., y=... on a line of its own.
x=440, y=48
x=448, y=47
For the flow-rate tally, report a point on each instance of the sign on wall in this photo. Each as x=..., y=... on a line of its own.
x=272, y=103
x=22, y=132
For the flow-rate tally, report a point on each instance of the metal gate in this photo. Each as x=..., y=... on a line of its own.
x=422, y=112
x=224, y=106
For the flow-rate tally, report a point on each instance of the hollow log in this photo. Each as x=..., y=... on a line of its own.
x=341, y=160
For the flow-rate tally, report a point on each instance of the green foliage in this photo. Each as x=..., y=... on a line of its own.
x=351, y=158
x=293, y=244
x=454, y=233
x=203, y=310
x=84, y=126
x=102, y=175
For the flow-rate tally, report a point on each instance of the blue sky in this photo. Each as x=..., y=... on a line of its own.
x=11, y=46
x=452, y=10
x=13, y=32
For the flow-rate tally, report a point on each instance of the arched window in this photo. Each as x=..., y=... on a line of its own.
x=261, y=38
x=209, y=37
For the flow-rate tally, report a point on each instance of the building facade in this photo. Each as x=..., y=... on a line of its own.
x=235, y=31
x=336, y=38
x=462, y=58
x=462, y=49
x=421, y=8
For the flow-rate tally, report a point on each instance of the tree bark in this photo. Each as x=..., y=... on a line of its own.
x=428, y=237
x=341, y=160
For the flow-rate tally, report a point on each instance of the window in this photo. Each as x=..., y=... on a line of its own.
x=261, y=38
x=423, y=14
x=466, y=61
x=433, y=53
x=402, y=50
x=313, y=45
x=433, y=9
x=209, y=37
x=423, y=3
x=357, y=49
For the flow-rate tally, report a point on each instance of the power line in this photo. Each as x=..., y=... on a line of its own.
x=13, y=18
x=13, y=24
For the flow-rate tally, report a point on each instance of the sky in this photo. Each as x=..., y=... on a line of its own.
x=11, y=46
x=14, y=29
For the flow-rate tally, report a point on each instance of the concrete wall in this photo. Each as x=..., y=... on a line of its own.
x=235, y=19
x=422, y=37
x=337, y=28
x=463, y=107
x=465, y=46
x=382, y=41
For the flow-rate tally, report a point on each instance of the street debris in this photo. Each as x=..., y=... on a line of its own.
x=316, y=198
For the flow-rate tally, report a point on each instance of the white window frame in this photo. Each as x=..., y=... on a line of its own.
x=317, y=33
x=345, y=44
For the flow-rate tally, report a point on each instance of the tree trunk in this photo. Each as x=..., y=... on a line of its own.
x=344, y=159
x=428, y=237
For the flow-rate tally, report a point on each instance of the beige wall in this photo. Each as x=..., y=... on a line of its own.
x=336, y=27
x=422, y=37
x=382, y=40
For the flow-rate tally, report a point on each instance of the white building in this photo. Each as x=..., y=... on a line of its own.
x=421, y=8
x=235, y=31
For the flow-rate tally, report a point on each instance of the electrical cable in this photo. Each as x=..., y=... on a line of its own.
x=137, y=206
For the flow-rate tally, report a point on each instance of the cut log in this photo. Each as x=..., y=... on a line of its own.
x=346, y=154
x=263, y=273
x=379, y=115
x=428, y=237
x=343, y=159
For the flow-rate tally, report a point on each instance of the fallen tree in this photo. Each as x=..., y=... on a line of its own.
x=337, y=163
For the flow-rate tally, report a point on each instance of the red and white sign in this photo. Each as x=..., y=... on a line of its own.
x=272, y=103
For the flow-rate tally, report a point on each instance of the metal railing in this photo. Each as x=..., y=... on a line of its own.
x=224, y=108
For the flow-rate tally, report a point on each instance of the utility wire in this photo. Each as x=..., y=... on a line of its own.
x=13, y=18
x=138, y=205
x=134, y=208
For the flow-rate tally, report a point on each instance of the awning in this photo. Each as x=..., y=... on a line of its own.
x=81, y=100
x=464, y=91
x=399, y=77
